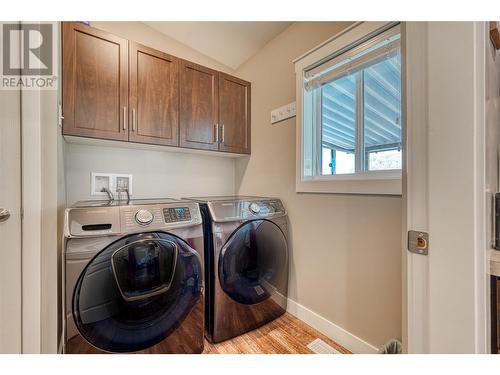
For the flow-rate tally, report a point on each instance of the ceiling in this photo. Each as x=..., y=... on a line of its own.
x=230, y=43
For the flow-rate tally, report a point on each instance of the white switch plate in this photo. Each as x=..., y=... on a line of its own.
x=112, y=181
x=283, y=113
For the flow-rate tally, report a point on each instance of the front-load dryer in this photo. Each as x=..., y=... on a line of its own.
x=133, y=276
x=246, y=263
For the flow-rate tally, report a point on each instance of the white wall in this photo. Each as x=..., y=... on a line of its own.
x=40, y=226
x=156, y=174
x=61, y=206
x=50, y=285
x=40, y=272
x=456, y=180
x=346, y=249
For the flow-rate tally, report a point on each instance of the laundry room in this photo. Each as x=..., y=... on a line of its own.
x=154, y=169
x=257, y=186
x=265, y=171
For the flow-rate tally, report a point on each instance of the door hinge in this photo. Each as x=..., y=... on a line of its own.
x=418, y=242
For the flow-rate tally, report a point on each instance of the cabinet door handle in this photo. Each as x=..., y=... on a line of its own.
x=124, y=118
x=216, y=126
x=222, y=135
x=133, y=119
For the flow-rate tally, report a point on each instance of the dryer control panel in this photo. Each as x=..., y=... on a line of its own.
x=234, y=210
x=266, y=208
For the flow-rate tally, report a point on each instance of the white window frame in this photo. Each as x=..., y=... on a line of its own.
x=386, y=182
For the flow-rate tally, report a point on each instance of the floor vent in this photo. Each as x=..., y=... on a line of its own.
x=318, y=346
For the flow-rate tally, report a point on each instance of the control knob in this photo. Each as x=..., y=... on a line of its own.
x=254, y=207
x=143, y=217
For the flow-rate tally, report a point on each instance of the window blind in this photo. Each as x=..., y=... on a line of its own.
x=383, y=46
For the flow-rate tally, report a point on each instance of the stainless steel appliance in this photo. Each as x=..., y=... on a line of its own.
x=133, y=277
x=246, y=269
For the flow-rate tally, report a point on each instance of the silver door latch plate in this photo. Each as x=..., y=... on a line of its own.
x=418, y=242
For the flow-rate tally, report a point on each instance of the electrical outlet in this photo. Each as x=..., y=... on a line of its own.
x=123, y=183
x=113, y=181
x=283, y=113
x=99, y=182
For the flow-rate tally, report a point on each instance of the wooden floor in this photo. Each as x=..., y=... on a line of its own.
x=285, y=335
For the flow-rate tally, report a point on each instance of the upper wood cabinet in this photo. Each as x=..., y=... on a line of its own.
x=234, y=114
x=95, y=82
x=121, y=90
x=154, y=96
x=199, y=113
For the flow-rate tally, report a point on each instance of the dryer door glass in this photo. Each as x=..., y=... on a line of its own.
x=253, y=264
x=137, y=291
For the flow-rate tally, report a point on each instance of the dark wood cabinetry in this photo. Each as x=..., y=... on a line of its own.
x=154, y=96
x=95, y=83
x=199, y=114
x=121, y=90
x=234, y=114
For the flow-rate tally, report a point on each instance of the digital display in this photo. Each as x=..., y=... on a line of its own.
x=172, y=214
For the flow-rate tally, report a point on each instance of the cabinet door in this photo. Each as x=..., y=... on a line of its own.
x=95, y=82
x=234, y=114
x=199, y=116
x=154, y=96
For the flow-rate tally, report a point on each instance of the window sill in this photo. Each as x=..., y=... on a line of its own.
x=369, y=183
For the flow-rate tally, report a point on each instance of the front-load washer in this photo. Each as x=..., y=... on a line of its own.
x=133, y=277
x=246, y=263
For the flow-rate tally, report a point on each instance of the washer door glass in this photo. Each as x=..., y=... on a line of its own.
x=137, y=291
x=253, y=264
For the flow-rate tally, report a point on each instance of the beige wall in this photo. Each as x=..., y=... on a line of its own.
x=346, y=250
x=142, y=33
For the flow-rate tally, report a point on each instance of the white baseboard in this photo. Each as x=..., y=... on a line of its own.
x=331, y=330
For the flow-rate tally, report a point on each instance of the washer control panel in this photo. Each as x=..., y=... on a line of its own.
x=161, y=216
x=175, y=214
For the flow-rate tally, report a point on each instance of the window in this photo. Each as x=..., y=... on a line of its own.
x=351, y=109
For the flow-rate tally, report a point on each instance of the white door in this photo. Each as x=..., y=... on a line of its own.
x=444, y=187
x=10, y=222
